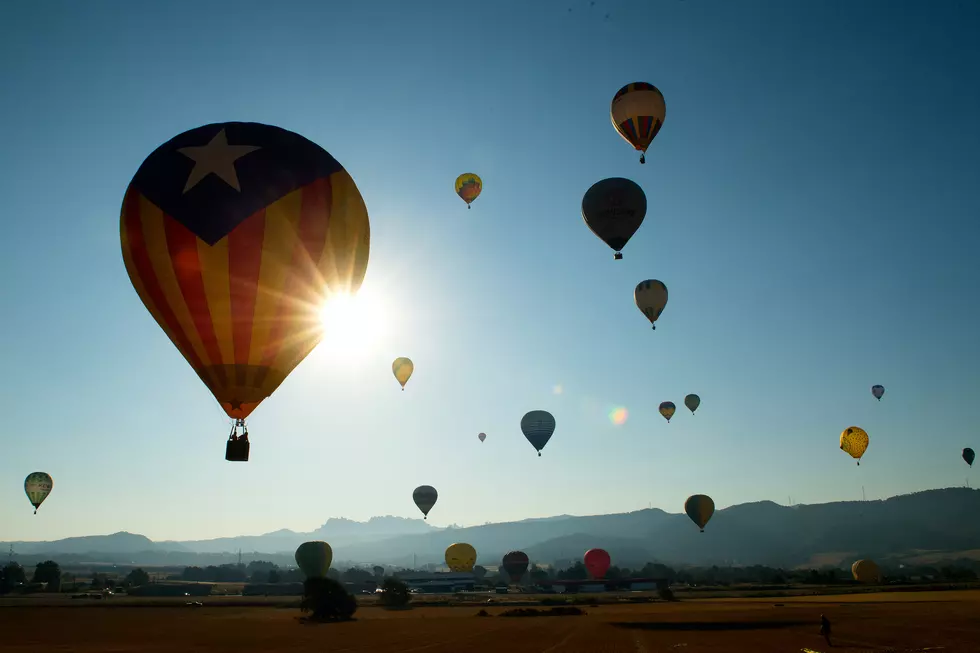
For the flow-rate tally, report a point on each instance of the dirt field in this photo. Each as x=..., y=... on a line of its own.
x=939, y=621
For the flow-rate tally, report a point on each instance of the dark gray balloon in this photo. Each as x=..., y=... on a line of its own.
x=538, y=426
x=425, y=497
x=614, y=209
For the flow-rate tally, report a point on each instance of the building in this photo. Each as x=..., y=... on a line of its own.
x=437, y=582
x=605, y=585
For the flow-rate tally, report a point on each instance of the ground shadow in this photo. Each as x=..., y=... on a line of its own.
x=708, y=625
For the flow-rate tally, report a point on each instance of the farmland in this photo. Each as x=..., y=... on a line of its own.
x=907, y=621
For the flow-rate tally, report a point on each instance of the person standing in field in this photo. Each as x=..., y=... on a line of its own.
x=825, y=629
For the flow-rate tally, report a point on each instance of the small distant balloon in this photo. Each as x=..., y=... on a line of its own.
x=614, y=209
x=425, y=496
x=667, y=409
x=468, y=187
x=482, y=436
x=597, y=562
x=637, y=112
x=692, y=402
x=538, y=427
x=314, y=558
x=969, y=456
x=854, y=442
x=651, y=298
x=402, y=368
x=700, y=508
x=38, y=486
x=878, y=391
x=460, y=557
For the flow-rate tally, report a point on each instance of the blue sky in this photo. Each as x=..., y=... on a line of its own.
x=812, y=209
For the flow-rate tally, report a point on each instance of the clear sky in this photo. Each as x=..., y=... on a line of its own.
x=813, y=207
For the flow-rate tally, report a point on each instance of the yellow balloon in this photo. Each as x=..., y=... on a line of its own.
x=468, y=187
x=460, y=557
x=854, y=441
x=866, y=571
x=402, y=368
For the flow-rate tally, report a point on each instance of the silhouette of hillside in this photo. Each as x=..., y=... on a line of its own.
x=933, y=523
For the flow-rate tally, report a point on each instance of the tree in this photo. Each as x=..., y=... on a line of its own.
x=394, y=593
x=98, y=581
x=538, y=574
x=137, y=577
x=355, y=575
x=379, y=571
x=273, y=576
x=327, y=600
x=48, y=572
x=12, y=576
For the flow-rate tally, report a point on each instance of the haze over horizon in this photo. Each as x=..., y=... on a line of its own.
x=812, y=209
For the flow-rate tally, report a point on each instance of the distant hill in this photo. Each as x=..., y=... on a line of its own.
x=934, y=525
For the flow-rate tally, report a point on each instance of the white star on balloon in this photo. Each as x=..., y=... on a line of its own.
x=216, y=157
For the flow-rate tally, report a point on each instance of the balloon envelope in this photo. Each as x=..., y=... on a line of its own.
x=232, y=235
x=969, y=456
x=402, y=368
x=692, y=402
x=865, y=571
x=650, y=297
x=468, y=187
x=667, y=409
x=515, y=564
x=314, y=558
x=637, y=112
x=854, y=442
x=37, y=487
x=700, y=508
x=596, y=562
x=614, y=209
x=425, y=496
x=482, y=436
x=878, y=391
x=538, y=427
x=460, y=557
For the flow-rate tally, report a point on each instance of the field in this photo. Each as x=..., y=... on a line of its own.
x=899, y=622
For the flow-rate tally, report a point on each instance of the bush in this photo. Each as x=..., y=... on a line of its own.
x=667, y=594
x=394, y=593
x=327, y=600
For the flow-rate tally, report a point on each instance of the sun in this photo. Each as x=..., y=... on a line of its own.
x=351, y=323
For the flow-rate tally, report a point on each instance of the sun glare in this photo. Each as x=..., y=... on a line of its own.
x=351, y=323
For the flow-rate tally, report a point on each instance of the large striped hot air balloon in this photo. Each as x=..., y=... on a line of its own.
x=234, y=234
x=37, y=487
x=425, y=497
x=637, y=112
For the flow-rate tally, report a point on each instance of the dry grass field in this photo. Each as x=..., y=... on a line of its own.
x=900, y=622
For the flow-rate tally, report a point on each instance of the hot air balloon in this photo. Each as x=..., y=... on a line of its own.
x=637, y=112
x=969, y=456
x=402, y=368
x=854, y=441
x=37, y=487
x=515, y=564
x=692, y=402
x=425, y=496
x=878, y=391
x=651, y=298
x=482, y=436
x=538, y=427
x=614, y=209
x=667, y=409
x=314, y=558
x=596, y=562
x=460, y=557
x=233, y=235
x=468, y=187
x=699, y=508
x=866, y=571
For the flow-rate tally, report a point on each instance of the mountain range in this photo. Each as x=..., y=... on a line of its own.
x=933, y=523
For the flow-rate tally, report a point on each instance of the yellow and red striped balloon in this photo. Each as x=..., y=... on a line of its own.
x=233, y=234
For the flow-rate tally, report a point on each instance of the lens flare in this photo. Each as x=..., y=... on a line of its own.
x=557, y=389
x=618, y=415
